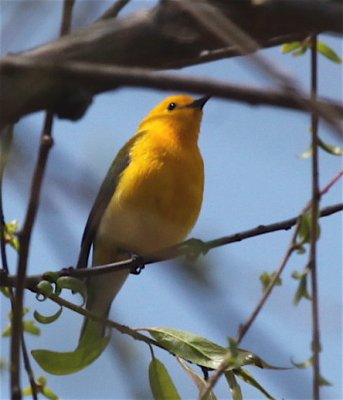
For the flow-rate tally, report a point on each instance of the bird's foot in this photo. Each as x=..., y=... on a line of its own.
x=137, y=264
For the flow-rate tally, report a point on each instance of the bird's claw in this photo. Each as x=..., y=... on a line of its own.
x=137, y=264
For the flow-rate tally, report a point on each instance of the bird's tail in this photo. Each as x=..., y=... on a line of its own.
x=92, y=342
x=101, y=292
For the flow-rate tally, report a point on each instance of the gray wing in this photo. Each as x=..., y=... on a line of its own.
x=104, y=196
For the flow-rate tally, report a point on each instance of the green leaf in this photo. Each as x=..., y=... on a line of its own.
x=329, y=148
x=45, y=288
x=51, y=276
x=31, y=327
x=324, y=382
x=296, y=48
x=189, y=346
x=6, y=291
x=327, y=52
x=11, y=230
x=201, y=351
x=49, y=393
x=308, y=364
x=73, y=284
x=28, y=327
x=235, y=389
x=42, y=389
x=161, y=384
x=42, y=381
x=267, y=277
x=302, y=291
x=63, y=363
x=304, y=364
x=305, y=228
x=304, y=232
x=306, y=154
x=302, y=50
x=248, y=378
x=197, y=379
x=289, y=47
x=195, y=248
x=7, y=331
x=27, y=391
x=47, y=319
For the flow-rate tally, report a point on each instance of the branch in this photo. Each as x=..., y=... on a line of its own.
x=314, y=229
x=111, y=324
x=114, y=10
x=188, y=248
x=228, y=32
x=71, y=86
x=17, y=337
x=246, y=326
x=161, y=37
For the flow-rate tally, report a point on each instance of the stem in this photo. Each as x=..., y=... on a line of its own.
x=25, y=239
x=6, y=139
x=24, y=243
x=114, y=10
x=246, y=326
x=168, y=254
x=314, y=217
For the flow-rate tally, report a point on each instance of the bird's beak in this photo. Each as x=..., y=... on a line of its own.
x=199, y=103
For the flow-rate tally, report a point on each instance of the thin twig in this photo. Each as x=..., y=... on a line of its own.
x=67, y=16
x=170, y=253
x=24, y=244
x=327, y=187
x=98, y=78
x=25, y=239
x=243, y=329
x=246, y=326
x=114, y=10
x=5, y=148
x=112, y=324
x=314, y=218
x=6, y=139
x=28, y=369
x=230, y=33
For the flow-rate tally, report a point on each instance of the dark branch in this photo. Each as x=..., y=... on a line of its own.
x=161, y=37
x=86, y=79
x=189, y=247
x=17, y=337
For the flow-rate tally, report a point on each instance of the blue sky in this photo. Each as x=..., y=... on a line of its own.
x=253, y=176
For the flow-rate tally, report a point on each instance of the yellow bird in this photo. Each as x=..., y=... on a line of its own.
x=149, y=200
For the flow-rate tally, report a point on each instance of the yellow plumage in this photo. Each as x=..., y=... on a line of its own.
x=149, y=200
x=159, y=195
x=156, y=199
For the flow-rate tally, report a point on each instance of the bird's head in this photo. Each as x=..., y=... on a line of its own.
x=180, y=115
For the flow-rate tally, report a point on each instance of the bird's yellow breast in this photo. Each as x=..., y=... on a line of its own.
x=158, y=197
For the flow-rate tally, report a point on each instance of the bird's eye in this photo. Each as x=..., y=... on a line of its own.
x=171, y=106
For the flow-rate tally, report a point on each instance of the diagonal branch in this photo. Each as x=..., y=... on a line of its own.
x=161, y=37
x=72, y=85
x=189, y=247
x=17, y=337
x=315, y=203
x=227, y=31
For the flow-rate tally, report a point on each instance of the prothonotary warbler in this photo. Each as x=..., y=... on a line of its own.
x=149, y=200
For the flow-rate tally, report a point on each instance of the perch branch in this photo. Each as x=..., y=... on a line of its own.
x=87, y=79
x=161, y=37
x=185, y=248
